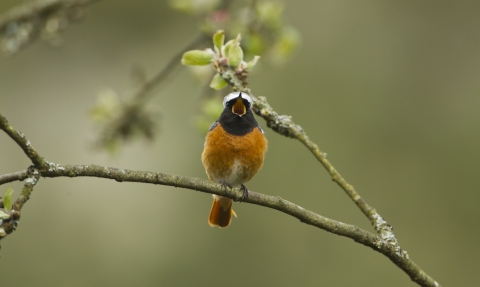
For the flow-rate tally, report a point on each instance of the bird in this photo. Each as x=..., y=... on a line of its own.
x=234, y=152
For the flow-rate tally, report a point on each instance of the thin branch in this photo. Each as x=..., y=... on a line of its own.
x=134, y=115
x=20, y=139
x=37, y=8
x=169, y=68
x=33, y=177
x=22, y=25
x=284, y=125
x=15, y=176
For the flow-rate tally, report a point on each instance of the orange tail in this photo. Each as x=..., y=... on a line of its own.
x=221, y=213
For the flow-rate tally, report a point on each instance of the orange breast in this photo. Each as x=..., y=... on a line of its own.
x=233, y=159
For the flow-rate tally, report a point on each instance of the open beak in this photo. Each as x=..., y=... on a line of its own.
x=239, y=108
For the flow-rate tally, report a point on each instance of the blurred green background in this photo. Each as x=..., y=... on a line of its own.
x=390, y=90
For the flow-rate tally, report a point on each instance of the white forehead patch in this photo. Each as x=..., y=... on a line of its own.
x=234, y=95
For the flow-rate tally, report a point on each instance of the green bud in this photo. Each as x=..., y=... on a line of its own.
x=218, y=82
x=235, y=55
x=7, y=199
x=218, y=40
x=252, y=63
x=227, y=46
x=2, y=232
x=197, y=58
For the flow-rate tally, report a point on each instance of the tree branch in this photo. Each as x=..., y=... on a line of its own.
x=306, y=216
x=49, y=169
x=37, y=8
x=22, y=25
x=133, y=114
x=9, y=226
x=20, y=139
x=169, y=68
x=284, y=125
x=15, y=176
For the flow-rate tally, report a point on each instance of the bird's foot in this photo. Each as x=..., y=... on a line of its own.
x=245, y=192
x=226, y=186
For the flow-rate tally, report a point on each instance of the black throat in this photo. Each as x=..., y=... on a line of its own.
x=237, y=125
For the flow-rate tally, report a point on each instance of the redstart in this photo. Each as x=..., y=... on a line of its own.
x=234, y=151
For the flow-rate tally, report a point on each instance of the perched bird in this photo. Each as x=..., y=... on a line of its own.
x=234, y=151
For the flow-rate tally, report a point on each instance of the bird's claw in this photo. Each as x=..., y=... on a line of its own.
x=226, y=186
x=245, y=192
x=243, y=188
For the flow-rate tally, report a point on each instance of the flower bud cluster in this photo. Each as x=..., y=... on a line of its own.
x=223, y=54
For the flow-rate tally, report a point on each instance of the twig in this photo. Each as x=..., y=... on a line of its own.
x=22, y=25
x=20, y=139
x=37, y=8
x=169, y=68
x=30, y=182
x=15, y=176
x=134, y=115
x=285, y=126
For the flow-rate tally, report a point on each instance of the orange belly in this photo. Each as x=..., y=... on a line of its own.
x=233, y=159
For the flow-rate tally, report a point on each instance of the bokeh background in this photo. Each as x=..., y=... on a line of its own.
x=390, y=90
